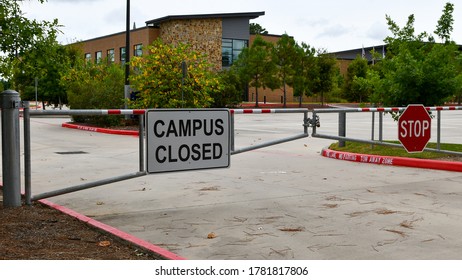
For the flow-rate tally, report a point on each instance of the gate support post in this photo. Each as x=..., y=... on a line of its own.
x=11, y=164
x=341, y=128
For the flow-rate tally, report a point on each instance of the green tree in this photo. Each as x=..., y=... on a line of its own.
x=94, y=86
x=256, y=28
x=256, y=67
x=305, y=71
x=445, y=23
x=356, y=69
x=285, y=57
x=371, y=85
x=45, y=62
x=158, y=78
x=326, y=66
x=232, y=89
x=20, y=34
x=418, y=70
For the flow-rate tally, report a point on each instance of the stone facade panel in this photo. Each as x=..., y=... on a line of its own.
x=203, y=35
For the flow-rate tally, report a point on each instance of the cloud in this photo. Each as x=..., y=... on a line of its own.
x=377, y=31
x=315, y=22
x=333, y=31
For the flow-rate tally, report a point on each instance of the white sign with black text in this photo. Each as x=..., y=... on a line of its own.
x=187, y=139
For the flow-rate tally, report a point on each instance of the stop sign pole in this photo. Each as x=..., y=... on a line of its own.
x=414, y=128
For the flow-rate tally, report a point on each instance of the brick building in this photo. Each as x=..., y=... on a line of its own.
x=344, y=58
x=220, y=36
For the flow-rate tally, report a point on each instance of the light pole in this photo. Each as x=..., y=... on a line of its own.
x=127, y=55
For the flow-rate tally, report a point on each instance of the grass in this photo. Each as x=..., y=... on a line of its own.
x=380, y=150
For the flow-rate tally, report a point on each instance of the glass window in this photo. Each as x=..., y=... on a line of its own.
x=239, y=44
x=138, y=50
x=230, y=50
x=122, y=55
x=98, y=56
x=110, y=55
x=88, y=56
x=227, y=43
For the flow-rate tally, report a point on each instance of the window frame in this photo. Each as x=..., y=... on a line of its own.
x=110, y=54
x=138, y=50
x=98, y=56
x=232, y=50
x=122, y=55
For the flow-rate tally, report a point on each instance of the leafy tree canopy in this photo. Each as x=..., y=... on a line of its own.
x=285, y=56
x=256, y=66
x=160, y=83
x=357, y=70
x=256, y=28
x=416, y=69
x=325, y=67
x=42, y=66
x=305, y=71
x=20, y=34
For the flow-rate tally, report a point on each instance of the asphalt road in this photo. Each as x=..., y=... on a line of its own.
x=280, y=202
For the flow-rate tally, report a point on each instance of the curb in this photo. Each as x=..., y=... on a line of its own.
x=123, y=235
x=158, y=251
x=101, y=130
x=363, y=158
x=393, y=161
x=149, y=247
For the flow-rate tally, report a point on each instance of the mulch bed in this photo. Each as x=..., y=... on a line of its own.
x=38, y=232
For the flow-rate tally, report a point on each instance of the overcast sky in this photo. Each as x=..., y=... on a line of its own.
x=334, y=25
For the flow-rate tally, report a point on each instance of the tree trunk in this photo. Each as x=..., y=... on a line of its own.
x=256, y=91
x=256, y=96
x=285, y=93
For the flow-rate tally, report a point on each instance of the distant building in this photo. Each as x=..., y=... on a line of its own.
x=344, y=58
x=220, y=36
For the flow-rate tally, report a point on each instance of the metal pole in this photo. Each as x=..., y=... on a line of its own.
x=232, y=132
x=27, y=154
x=373, y=129
x=341, y=128
x=269, y=143
x=380, y=126
x=88, y=185
x=438, y=135
x=127, y=56
x=314, y=125
x=11, y=165
x=141, y=142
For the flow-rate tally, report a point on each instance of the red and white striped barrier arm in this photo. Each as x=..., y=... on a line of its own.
x=252, y=111
x=123, y=112
x=397, y=109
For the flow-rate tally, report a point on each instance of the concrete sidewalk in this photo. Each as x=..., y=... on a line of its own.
x=281, y=202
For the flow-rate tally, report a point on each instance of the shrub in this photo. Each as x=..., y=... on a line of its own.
x=158, y=78
x=95, y=86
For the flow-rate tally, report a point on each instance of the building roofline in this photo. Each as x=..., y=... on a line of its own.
x=114, y=34
x=360, y=49
x=250, y=15
x=268, y=35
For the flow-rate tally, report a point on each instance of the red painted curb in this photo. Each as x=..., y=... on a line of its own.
x=123, y=235
x=130, y=238
x=101, y=130
x=395, y=161
x=111, y=230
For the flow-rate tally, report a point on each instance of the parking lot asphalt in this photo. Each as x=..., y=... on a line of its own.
x=281, y=202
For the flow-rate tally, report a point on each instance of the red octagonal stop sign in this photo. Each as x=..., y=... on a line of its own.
x=414, y=128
